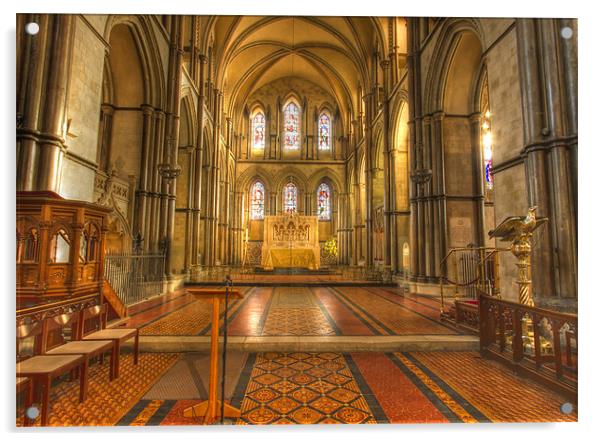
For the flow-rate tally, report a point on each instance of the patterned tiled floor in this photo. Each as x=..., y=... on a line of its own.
x=107, y=401
x=334, y=388
x=311, y=388
x=312, y=311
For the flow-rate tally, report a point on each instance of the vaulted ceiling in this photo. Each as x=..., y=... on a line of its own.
x=334, y=53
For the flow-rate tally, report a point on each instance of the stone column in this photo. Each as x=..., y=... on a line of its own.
x=479, y=185
x=357, y=227
x=40, y=134
x=561, y=141
x=104, y=143
x=389, y=195
x=30, y=77
x=152, y=224
x=415, y=127
x=549, y=117
x=169, y=169
x=438, y=191
x=143, y=186
x=368, y=176
x=197, y=181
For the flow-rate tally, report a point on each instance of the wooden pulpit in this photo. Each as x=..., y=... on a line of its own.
x=211, y=409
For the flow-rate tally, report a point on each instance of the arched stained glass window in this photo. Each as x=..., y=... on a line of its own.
x=290, y=198
x=291, y=126
x=487, y=151
x=324, y=132
x=259, y=131
x=324, y=202
x=257, y=201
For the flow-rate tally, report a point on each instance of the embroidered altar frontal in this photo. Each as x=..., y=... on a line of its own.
x=290, y=241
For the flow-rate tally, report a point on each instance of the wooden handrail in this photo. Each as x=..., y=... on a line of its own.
x=532, y=341
x=53, y=305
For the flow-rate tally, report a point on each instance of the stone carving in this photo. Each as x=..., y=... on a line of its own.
x=290, y=240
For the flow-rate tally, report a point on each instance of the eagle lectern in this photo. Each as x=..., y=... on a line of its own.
x=519, y=230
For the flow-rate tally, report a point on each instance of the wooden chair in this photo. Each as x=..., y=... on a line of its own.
x=53, y=342
x=97, y=316
x=42, y=369
x=24, y=386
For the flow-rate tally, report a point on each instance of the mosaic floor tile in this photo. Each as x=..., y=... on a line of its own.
x=301, y=397
x=493, y=389
x=298, y=311
x=107, y=401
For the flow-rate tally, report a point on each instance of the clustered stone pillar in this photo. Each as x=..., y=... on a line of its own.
x=417, y=174
x=368, y=182
x=390, y=240
x=169, y=169
x=197, y=181
x=427, y=189
x=547, y=69
x=41, y=100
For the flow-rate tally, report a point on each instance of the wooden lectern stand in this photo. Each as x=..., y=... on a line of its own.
x=211, y=409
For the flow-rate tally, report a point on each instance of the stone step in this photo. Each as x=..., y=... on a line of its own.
x=313, y=344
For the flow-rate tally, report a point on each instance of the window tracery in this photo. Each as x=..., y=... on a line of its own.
x=258, y=131
x=291, y=126
x=257, y=201
x=324, y=129
x=290, y=198
x=324, y=202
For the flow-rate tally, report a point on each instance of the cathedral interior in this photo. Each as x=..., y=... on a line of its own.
x=380, y=211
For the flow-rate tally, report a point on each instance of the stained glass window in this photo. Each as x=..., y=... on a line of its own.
x=487, y=151
x=257, y=200
x=291, y=127
x=290, y=198
x=324, y=204
x=259, y=131
x=324, y=132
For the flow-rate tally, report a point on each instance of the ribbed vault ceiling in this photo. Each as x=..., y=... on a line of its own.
x=331, y=52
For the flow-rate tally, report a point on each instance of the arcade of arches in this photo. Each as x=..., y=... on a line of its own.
x=403, y=139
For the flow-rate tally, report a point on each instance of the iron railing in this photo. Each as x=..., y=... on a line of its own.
x=135, y=277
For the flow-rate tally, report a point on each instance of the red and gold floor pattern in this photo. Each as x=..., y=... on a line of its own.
x=386, y=316
x=302, y=311
x=335, y=388
x=191, y=318
x=499, y=393
x=107, y=401
x=302, y=388
x=297, y=321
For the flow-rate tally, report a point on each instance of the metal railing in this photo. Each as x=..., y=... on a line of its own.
x=135, y=277
x=471, y=271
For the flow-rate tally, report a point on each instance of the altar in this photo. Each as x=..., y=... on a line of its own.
x=290, y=241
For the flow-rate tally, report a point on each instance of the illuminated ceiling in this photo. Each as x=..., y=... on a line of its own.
x=334, y=53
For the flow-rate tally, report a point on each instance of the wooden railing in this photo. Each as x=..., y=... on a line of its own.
x=51, y=309
x=534, y=342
